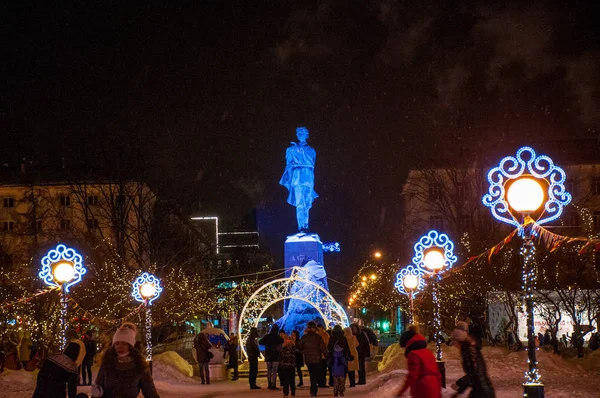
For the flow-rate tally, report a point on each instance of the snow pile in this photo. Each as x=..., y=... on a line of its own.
x=393, y=358
x=170, y=365
x=19, y=383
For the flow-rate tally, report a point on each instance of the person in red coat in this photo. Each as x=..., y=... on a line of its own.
x=423, y=378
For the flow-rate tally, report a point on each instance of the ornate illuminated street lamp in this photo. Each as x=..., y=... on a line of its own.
x=146, y=289
x=62, y=267
x=409, y=281
x=434, y=253
x=532, y=187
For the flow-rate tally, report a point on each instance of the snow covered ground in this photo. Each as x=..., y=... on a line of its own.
x=563, y=378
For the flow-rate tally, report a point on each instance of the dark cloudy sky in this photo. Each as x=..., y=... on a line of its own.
x=205, y=95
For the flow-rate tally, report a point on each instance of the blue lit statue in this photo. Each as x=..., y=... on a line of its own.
x=299, y=177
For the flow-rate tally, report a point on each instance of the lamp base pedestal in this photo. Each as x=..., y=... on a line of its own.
x=442, y=367
x=533, y=390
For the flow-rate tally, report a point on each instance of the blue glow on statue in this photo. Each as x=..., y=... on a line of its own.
x=299, y=177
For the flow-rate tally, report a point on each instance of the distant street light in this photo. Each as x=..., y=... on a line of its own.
x=377, y=254
x=434, y=252
x=146, y=289
x=409, y=281
x=62, y=267
x=518, y=183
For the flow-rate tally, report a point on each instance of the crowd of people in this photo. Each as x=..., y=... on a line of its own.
x=338, y=353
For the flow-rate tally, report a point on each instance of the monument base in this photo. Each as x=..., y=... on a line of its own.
x=300, y=248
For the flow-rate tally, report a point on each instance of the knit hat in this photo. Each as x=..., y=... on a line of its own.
x=405, y=337
x=125, y=333
x=461, y=332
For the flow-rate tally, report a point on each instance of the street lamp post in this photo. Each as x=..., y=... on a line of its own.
x=434, y=253
x=409, y=281
x=62, y=267
x=517, y=185
x=146, y=289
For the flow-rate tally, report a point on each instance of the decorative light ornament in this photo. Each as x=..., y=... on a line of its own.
x=526, y=163
x=146, y=289
x=435, y=242
x=433, y=260
x=413, y=274
x=62, y=267
x=525, y=195
x=410, y=282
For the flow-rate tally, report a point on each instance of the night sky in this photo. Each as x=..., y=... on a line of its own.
x=201, y=98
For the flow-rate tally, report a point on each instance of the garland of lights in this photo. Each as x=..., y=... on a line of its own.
x=437, y=323
x=511, y=168
x=297, y=287
x=529, y=278
x=434, y=239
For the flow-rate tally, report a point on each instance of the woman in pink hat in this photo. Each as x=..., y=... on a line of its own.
x=124, y=372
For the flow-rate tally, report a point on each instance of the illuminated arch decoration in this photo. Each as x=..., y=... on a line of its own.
x=142, y=279
x=281, y=289
x=62, y=253
x=409, y=270
x=526, y=162
x=434, y=239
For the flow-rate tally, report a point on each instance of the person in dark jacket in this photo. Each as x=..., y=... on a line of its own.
x=364, y=351
x=299, y=356
x=272, y=343
x=423, y=379
x=287, y=366
x=555, y=344
x=313, y=347
x=124, y=371
x=58, y=376
x=547, y=337
x=232, y=351
x=339, y=355
x=203, y=356
x=88, y=360
x=253, y=353
x=473, y=364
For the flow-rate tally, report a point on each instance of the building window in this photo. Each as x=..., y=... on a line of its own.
x=595, y=186
x=9, y=202
x=435, y=191
x=93, y=200
x=571, y=219
x=8, y=226
x=436, y=222
x=65, y=224
x=596, y=217
x=92, y=223
x=65, y=201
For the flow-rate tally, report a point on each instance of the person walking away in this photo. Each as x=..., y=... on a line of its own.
x=88, y=360
x=473, y=364
x=25, y=348
x=555, y=343
x=287, y=366
x=363, y=352
x=547, y=337
x=232, y=351
x=273, y=343
x=541, y=339
x=299, y=356
x=253, y=353
x=58, y=376
x=124, y=372
x=203, y=356
x=313, y=347
x=339, y=355
x=323, y=378
x=423, y=379
x=352, y=363
x=594, y=342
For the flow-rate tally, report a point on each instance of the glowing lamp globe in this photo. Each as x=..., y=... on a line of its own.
x=525, y=195
x=410, y=282
x=147, y=290
x=373, y=277
x=434, y=260
x=63, y=272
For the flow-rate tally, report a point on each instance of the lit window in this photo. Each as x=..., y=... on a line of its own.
x=9, y=202
x=92, y=200
x=436, y=222
x=65, y=201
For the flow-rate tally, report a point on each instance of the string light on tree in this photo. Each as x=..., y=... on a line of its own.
x=532, y=187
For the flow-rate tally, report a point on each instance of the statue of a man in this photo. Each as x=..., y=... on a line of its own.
x=299, y=177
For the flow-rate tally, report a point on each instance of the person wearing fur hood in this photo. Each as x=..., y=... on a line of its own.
x=124, y=372
x=58, y=376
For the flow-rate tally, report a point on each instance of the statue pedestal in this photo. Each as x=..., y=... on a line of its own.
x=300, y=248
